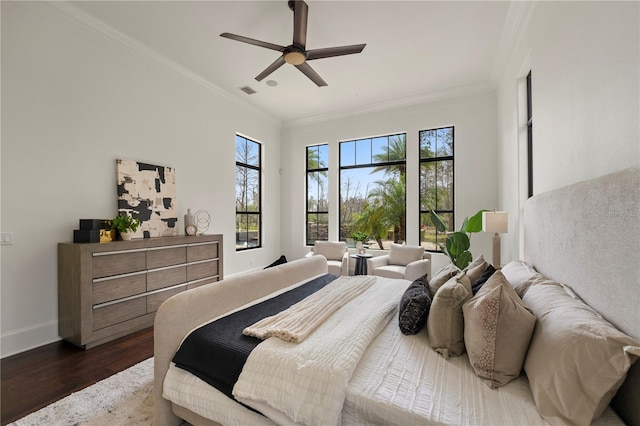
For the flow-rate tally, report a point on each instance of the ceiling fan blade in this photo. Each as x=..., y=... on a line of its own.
x=300, y=13
x=328, y=52
x=271, y=68
x=253, y=41
x=313, y=76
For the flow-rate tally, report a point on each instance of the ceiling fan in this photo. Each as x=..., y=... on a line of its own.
x=296, y=53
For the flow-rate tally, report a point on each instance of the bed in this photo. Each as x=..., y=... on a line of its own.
x=583, y=240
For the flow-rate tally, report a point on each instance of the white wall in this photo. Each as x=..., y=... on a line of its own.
x=475, y=148
x=72, y=102
x=584, y=58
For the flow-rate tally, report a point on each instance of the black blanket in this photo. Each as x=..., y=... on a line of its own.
x=216, y=352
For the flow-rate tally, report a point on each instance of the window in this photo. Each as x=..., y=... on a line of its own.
x=436, y=184
x=248, y=172
x=317, y=196
x=373, y=189
x=529, y=138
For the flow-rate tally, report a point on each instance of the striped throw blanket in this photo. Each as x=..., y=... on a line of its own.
x=300, y=320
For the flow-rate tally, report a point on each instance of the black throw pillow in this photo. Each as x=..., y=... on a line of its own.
x=414, y=306
x=279, y=261
x=477, y=285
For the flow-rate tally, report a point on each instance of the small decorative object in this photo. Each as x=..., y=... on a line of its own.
x=458, y=243
x=190, y=223
x=360, y=237
x=203, y=220
x=148, y=193
x=125, y=225
x=93, y=231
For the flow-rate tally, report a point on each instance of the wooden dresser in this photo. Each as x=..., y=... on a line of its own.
x=109, y=290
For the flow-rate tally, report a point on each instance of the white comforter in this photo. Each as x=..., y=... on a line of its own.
x=307, y=382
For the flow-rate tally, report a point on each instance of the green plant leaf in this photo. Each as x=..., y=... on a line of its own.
x=464, y=259
x=457, y=243
x=463, y=228
x=474, y=224
x=437, y=221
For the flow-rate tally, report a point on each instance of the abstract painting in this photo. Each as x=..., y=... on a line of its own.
x=148, y=193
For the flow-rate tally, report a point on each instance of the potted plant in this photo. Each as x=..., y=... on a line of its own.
x=125, y=225
x=458, y=243
x=360, y=237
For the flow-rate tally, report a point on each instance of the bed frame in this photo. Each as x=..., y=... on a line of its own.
x=586, y=235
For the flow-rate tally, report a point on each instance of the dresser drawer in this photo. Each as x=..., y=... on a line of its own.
x=202, y=251
x=201, y=282
x=166, y=277
x=106, y=290
x=155, y=300
x=105, y=265
x=208, y=268
x=166, y=256
x=118, y=312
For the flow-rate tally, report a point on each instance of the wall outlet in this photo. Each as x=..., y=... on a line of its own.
x=6, y=238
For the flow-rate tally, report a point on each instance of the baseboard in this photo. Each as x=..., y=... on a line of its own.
x=24, y=339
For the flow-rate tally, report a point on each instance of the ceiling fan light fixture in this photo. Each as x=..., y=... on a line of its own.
x=295, y=57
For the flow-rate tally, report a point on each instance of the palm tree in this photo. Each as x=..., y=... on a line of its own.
x=396, y=151
x=390, y=196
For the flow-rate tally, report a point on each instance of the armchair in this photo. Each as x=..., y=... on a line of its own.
x=336, y=254
x=408, y=262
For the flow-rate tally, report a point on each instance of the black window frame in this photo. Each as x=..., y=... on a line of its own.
x=367, y=165
x=439, y=239
x=258, y=211
x=529, y=138
x=317, y=212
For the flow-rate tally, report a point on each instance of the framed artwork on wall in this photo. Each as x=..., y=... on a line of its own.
x=148, y=192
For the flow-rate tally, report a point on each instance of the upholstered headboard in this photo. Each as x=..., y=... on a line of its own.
x=587, y=235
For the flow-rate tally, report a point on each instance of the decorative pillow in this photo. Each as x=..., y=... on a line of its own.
x=442, y=276
x=497, y=331
x=477, y=285
x=332, y=250
x=414, y=306
x=577, y=360
x=520, y=275
x=282, y=259
x=477, y=261
x=404, y=255
x=475, y=272
x=445, y=323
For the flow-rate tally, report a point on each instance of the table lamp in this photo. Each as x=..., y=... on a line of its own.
x=498, y=223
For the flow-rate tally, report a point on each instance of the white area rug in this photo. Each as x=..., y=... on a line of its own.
x=126, y=398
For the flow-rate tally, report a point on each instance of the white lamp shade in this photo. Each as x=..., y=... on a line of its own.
x=497, y=222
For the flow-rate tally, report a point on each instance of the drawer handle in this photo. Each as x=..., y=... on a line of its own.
x=202, y=244
x=115, y=277
x=109, y=253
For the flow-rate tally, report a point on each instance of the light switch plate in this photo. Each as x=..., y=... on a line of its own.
x=6, y=238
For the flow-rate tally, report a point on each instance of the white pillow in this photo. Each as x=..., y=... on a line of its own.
x=520, y=275
x=577, y=360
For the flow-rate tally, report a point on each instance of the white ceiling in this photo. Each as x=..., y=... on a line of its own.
x=414, y=48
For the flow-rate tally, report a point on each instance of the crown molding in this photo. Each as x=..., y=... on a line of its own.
x=121, y=41
x=515, y=25
x=423, y=98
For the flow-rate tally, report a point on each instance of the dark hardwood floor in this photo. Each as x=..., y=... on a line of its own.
x=36, y=378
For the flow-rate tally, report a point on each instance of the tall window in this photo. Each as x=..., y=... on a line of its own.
x=248, y=171
x=317, y=196
x=436, y=184
x=529, y=138
x=373, y=189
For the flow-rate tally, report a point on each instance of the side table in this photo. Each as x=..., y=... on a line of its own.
x=361, y=263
